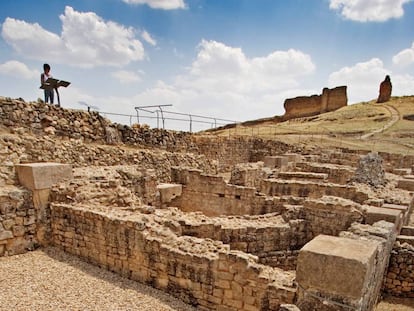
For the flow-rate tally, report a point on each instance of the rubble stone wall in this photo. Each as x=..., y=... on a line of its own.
x=399, y=280
x=41, y=118
x=278, y=187
x=273, y=240
x=17, y=221
x=211, y=279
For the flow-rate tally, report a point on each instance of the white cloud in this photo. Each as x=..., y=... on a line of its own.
x=148, y=38
x=362, y=79
x=405, y=57
x=17, y=69
x=369, y=10
x=160, y=4
x=223, y=82
x=219, y=68
x=126, y=77
x=86, y=40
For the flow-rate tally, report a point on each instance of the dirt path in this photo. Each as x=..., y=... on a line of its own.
x=395, y=117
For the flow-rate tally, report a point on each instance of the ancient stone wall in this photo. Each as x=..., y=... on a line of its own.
x=305, y=106
x=212, y=196
x=399, y=280
x=77, y=125
x=17, y=221
x=200, y=272
x=279, y=187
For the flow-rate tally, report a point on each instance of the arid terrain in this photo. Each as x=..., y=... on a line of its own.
x=387, y=127
x=110, y=177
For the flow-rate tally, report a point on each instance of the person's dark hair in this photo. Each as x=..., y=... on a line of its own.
x=46, y=67
x=387, y=78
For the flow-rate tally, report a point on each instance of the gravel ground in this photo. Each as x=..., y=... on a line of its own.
x=50, y=279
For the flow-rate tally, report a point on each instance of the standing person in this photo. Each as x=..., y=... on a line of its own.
x=385, y=90
x=49, y=93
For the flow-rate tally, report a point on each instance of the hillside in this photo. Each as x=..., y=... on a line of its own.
x=385, y=127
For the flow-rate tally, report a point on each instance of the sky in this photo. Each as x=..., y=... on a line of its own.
x=224, y=59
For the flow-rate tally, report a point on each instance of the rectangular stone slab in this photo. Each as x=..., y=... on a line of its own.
x=35, y=176
x=168, y=192
x=336, y=266
x=375, y=214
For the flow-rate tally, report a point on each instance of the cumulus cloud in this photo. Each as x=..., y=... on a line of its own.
x=18, y=69
x=369, y=10
x=222, y=81
x=362, y=79
x=86, y=40
x=160, y=4
x=219, y=67
x=405, y=57
x=148, y=38
x=126, y=77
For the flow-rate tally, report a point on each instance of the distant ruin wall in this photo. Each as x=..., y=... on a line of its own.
x=306, y=106
x=211, y=279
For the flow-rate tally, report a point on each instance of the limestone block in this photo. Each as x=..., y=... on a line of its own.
x=374, y=214
x=288, y=307
x=336, y=266
x=168, y=192
x=275, y=161
x=406, y=184
x=42, y=175
x=5, y=234
x=293, y=157
x=406, y=239
x=407, y=230
x=397, y=207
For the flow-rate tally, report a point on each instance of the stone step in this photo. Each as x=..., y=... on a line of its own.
x=402, y=208
x=407, y=230
x=401, y=171
x=303, y=176
x=406, y=239
x=375, y=214
x=407, y=183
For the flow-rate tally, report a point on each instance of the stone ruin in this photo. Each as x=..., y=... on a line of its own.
x=306, y=106
x=221, y=223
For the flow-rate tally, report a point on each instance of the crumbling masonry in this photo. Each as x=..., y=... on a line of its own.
x=221, y=223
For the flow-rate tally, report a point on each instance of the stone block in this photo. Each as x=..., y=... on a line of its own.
x=5, y=234
x=276, y=161
x=406, y=184
x=36, y=176
x=288, y=307
x=168, y=192
x=293, y=157
x=374, y=214
x=407, y=230
x=336, y=266
x=406, y=239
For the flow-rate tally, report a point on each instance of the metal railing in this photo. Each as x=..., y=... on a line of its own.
x=164, y=115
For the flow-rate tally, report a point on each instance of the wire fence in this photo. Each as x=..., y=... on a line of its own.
x=169, y=120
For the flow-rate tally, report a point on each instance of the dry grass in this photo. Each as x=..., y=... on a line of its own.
x=343, y=128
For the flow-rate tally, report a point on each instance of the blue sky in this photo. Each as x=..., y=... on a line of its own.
x=230, y=59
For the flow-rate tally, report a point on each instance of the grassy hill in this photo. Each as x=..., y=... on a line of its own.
x=368, y=126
